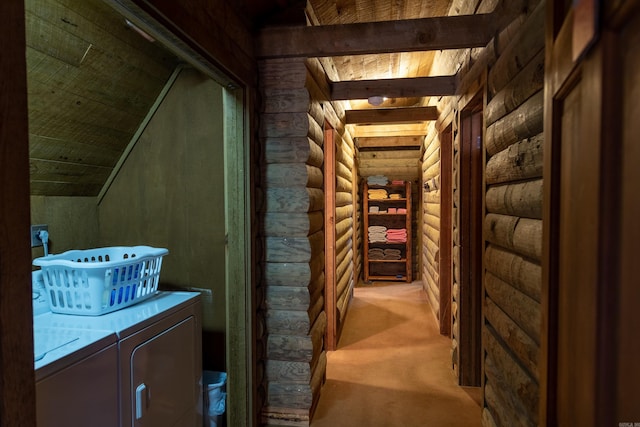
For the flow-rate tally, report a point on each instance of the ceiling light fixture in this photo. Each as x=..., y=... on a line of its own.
x=376, y=100
x=139, y=31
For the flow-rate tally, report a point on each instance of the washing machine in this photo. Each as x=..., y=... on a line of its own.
x=138, y=366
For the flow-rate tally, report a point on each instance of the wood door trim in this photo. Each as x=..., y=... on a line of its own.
x=470, y=223
x=446, y=240
x=330, y=302
x=17, y=385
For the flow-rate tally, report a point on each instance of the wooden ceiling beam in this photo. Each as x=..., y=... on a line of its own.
x=411, y=35
x=391, y=115
x=394, y=88
x=384, y=142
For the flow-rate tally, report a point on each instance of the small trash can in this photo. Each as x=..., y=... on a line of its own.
x=215, y=395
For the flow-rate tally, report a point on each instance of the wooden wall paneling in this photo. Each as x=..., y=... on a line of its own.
x=518, y=271
x=521, y=161
x=520, y=235
x=285, y=99
x=521, y=308
x=521, y=49
x=523, y=122
x=519, y=389
x=282, y=199
x=522, y=199
x=292, y=224
x=293, y=150
x=519, y=343
x=525, y=84
x=500, y=398
x=294, y=174
x=287, y=74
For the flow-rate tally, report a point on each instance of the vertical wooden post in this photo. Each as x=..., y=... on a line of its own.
x=330, y=303
x=240, y=310
x=17, y=386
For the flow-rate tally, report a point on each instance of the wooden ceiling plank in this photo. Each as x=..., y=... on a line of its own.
x=122, y=45
x=41, y=147
x=47, y=170
x=70, y=106
x=410, y=35
x=48, y=188
x=395, y=88
x=97, y=80
x=55, y=41
x=391, y=115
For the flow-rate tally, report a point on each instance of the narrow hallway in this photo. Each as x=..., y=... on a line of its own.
x=392, y=367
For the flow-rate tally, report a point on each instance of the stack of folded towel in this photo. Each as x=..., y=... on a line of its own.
x=392, y=254
x=397, y=182
x=377, y=180
x=395, y=196
x=397, y=235
x=376, y=253
x=378, y=194
x=374, y=209
x=401, y=211
x=377, y=234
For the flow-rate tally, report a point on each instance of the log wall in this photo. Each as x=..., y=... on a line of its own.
x=292, y=318
x=291, y=314
x=512, y=225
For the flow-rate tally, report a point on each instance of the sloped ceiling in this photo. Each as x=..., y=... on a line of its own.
x=91, y=81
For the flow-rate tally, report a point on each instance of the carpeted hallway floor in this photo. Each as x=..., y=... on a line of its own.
x=392, y=367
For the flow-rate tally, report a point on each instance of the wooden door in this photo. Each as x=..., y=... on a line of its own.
x=586, y=367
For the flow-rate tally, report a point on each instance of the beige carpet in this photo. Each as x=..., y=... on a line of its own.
x=392, y=367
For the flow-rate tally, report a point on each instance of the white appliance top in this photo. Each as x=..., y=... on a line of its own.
x=65, y=338
x=55, y=348
x=124, y=321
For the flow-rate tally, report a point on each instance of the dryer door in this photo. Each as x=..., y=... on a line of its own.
x=163, y=391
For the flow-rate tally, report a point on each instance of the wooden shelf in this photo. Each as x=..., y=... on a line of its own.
x=388, y=269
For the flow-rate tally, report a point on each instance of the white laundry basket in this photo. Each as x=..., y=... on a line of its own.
x=98, y=281
x=215, y=397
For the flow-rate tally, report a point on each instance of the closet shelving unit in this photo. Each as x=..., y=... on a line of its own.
x=388, y=269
